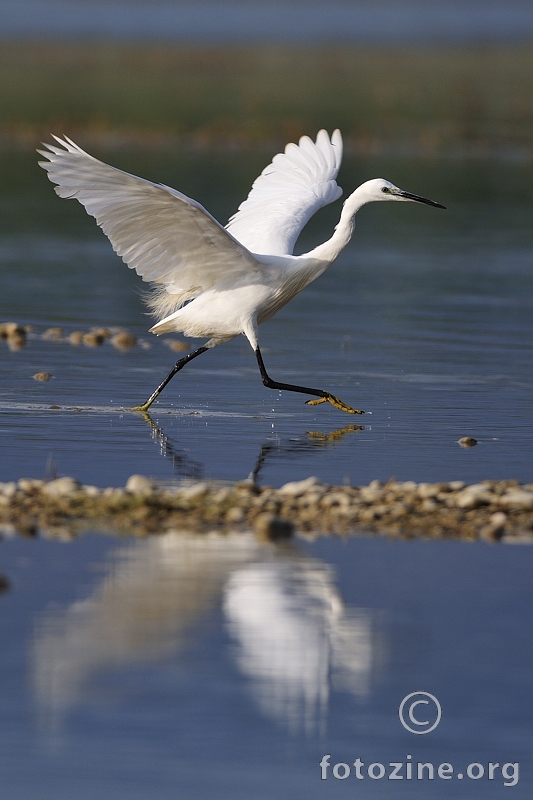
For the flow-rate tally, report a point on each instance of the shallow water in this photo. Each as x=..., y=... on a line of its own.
x=425, y=322
x=193, y=668
x=200, y=667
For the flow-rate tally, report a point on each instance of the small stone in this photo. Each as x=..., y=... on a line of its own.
x=177, y=346
x=517, y=498
x=124, y=341
x=93, y=339
x=495, y=529
x=406, y=486
x=456, y=486
x=28, y=485
x=370, y=493
x=53, y=334
x=399, y=510
x=8, y=329
x=16, y=341
x=42, y=376
x=193, y=491
x=61, y=487
x=139, y=484
x=270, y=528
x=91, y=491
x=105, y=333
x=234, y=515
x=114, y=493
x=297, y=488
x=467, y=441
x=76, y=338
x=473, y=496
x=8, y=489
x=426, y=490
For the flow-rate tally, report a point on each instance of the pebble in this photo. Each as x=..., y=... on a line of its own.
x=467, y=441
x=270, y=528
x=42, y=376
x=496, y=527
x=17, y=341
x=76, y=338
x=124, y=340
x=473, y=496
x=106, y=333
x=297, y=488
x=13, y=332
x=235, y=515
x=8, y=489
x=139, y=484
x=518, y=498
x=61, y=487
x=90, y=491
x=93, y=339
x=177, y=346
x=30, y=484
x=53, y=334
x=193, y=491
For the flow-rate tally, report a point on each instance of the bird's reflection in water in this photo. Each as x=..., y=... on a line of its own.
x=275, y=447
x=182, y=465
x=296, y=445
x=291, y=633
x=294, y=635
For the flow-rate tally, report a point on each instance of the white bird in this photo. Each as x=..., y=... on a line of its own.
x=212, y=281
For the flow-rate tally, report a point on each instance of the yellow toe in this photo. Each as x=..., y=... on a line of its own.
x=330, y=398
x=143, y=409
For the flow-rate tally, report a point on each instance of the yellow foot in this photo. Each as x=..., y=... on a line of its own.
x=333, y=436
x=330, y=398
x=143, y=409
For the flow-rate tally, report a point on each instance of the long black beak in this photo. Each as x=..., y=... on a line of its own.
x=418, y=199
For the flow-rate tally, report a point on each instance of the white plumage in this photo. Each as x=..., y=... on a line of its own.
x=236, y=277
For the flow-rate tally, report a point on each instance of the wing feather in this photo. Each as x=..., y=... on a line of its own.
x=287, y=193
x=166, y=237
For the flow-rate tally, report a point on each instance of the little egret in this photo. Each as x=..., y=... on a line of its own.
x=216, y=282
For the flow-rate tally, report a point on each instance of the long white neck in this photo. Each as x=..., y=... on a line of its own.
x=344, y=229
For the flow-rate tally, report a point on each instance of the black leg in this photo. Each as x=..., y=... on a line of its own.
x=179, y=365
x=324, y=397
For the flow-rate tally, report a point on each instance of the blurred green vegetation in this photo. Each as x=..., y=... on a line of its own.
x=424, y=100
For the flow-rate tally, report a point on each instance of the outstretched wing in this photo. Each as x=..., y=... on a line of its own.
x=287, y=194
x=166, y=237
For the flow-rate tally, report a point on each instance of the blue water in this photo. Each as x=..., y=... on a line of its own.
x=216, y=667
x=299, y=21
x=178, y=667
x=425, y=322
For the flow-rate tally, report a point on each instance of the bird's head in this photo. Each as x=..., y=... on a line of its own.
x=380, y=189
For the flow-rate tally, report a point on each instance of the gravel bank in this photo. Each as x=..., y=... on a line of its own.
x=491, y=510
